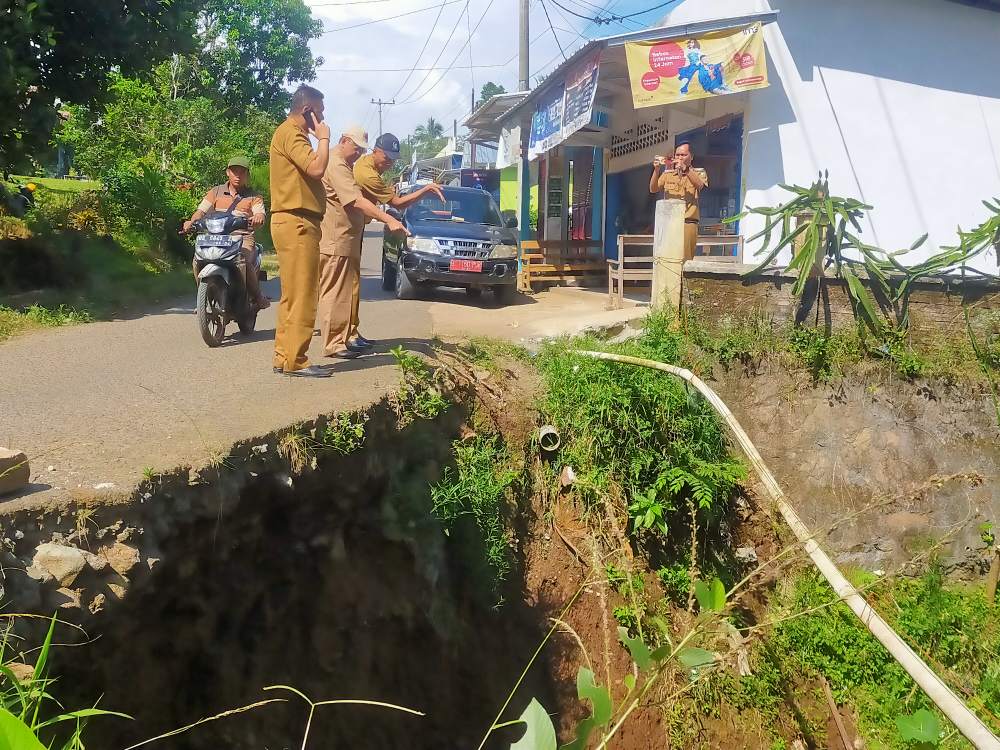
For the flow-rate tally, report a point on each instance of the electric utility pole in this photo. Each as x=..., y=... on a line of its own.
x=523, y=170
x=381, y=104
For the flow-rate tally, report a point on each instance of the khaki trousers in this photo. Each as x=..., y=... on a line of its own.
x=690, y=239
x=296, y=240
x=356, y=295
x=339, y=291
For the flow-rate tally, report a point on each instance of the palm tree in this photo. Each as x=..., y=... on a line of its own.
x=429, y=131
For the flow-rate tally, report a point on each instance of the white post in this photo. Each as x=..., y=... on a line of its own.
x=668, y=253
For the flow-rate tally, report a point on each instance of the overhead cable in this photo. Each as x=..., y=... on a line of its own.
x=552, y=29
x=420, y=54
x=440, y=53
x=389, y=18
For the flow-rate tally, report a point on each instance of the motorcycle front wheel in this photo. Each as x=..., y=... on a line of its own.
x=211, y=308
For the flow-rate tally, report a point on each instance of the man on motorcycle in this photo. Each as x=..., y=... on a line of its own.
x=247, y=204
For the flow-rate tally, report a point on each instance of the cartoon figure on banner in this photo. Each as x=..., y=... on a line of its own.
x=709, y=74
x=693, y=57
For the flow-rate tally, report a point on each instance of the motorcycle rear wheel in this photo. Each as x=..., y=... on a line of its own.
x=248, y=322
x=211, y=308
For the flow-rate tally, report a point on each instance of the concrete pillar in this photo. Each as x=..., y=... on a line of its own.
x=668, y=254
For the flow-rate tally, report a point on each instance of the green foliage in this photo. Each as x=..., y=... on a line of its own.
x=17, y=321
x=345, y=433
x=62, y=51
x=419, y=395
x=601, y=706
x=476, y=491
x=488, y=91
x=29, y=712
x=539, y=734
x=711, y=596
x=676, y=581
x=953, y=628
x=922, y=729
x=637, y=431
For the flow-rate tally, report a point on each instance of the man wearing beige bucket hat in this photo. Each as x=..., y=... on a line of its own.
x=340, y=244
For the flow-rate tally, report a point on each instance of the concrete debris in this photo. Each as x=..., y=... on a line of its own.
x=23, y=672
x=120, y=557
x=61, y=562
x=14, y=470
x=152, y=562
x=39, y=574
x=746, y=555
x=70, y=598
x=97, y=604
x=567, y=477
x=104, y=486
x=118, y=591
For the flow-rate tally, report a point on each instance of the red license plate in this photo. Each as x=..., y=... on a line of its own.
x=476, y=266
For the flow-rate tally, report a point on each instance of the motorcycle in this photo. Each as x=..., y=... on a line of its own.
x=222, y=289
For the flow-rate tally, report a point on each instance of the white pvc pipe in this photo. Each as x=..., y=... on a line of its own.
x=970, y=725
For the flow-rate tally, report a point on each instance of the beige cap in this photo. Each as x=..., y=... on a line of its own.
x=357, y=134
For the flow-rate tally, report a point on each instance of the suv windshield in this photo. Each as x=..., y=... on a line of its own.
x=472, y=208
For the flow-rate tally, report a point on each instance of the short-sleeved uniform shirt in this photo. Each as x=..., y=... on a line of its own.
x=291, y=188
x=373, y=187
x=674, y=185
x=220, y=198
x=343, y=224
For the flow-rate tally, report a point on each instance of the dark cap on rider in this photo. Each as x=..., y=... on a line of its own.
x=239, y=161
x=388, y=143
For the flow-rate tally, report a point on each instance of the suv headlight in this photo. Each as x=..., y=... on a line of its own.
x=504, y=251
x=425, y=245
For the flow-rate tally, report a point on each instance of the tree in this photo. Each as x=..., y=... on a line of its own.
x=252, y=49
x=429, y=131
x=488, y=91
x=63, y=50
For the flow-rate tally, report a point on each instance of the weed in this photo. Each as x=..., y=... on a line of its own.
x=419, y=394
x=485, y=352
x=345, y=433
x=297, y=448
x=477, y=491
x=149, y=473
x=676, y=581
x=637, y=432
x=17, y=321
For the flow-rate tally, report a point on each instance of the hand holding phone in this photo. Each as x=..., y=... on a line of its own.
x=659, y=161
x=310, y=118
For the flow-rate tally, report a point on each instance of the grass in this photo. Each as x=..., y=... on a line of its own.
x=59, y=184
x=13, y=322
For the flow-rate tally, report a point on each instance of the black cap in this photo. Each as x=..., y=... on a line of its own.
x=388, y=143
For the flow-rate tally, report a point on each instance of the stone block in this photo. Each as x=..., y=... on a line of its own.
x=14, y=470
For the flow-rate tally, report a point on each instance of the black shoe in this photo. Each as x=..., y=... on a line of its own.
x=360, y=348
x=345, y=354
x=278, y=370
x=309, y=372
x=364, y=342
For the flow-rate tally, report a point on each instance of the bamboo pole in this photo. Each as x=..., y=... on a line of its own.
x=970, y=725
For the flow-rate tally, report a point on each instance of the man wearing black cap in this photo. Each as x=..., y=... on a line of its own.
x=368, y=171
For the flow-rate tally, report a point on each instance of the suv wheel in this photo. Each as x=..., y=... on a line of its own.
x=388, y=274
x=405, y=289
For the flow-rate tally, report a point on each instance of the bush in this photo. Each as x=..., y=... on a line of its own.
x=145, y=207
x=12, y=228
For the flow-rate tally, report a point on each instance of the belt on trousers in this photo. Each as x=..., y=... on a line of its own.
x=690, y=221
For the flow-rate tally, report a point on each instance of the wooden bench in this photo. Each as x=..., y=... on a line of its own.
x=635, y=260
x=559, y=262
x=634, y=263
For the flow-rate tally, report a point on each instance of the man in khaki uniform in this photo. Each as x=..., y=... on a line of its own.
x=347, y=211
x=297, y=207
x=368, y=173
x=685, y=182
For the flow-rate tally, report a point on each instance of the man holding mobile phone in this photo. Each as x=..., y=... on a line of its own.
x=298, y=202
x=685, y=182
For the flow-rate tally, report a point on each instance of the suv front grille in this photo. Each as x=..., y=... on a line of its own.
x=465, y=248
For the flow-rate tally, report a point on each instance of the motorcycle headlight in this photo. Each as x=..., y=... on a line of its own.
x=504, y=251
x=215, y=226
x=425, y=245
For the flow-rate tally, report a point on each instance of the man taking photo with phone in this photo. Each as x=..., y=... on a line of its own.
x=298, y=203
x=684, y=182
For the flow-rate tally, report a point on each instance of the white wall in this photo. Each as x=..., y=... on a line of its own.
x=898, y=99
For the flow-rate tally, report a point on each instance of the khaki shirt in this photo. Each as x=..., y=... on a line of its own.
x=220, y=198
x=343, y=224
x=291, y=188
x=370, y=181
x=674, y=185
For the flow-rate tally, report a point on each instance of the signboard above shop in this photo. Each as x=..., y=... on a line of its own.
x=565, y=108
x=717, y=63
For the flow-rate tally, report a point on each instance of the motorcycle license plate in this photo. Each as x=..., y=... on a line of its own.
x=475, y=266
x=216, y=240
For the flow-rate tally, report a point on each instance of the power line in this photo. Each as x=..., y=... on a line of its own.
x=554, y=34
x=349, y=2
x=452, y=65
x=440, y=52
x=648, y=10
x=417, y=70
x=390, y=18
x=419, y=55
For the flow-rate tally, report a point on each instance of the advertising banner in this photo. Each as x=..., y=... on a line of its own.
x=581, y=88
x=712, y=64
x=546, y=122
x=508, y=147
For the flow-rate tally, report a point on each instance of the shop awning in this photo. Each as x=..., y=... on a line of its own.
x=520, y=113
x=484, y=123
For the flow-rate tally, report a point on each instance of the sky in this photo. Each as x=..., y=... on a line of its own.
x=374, y=61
